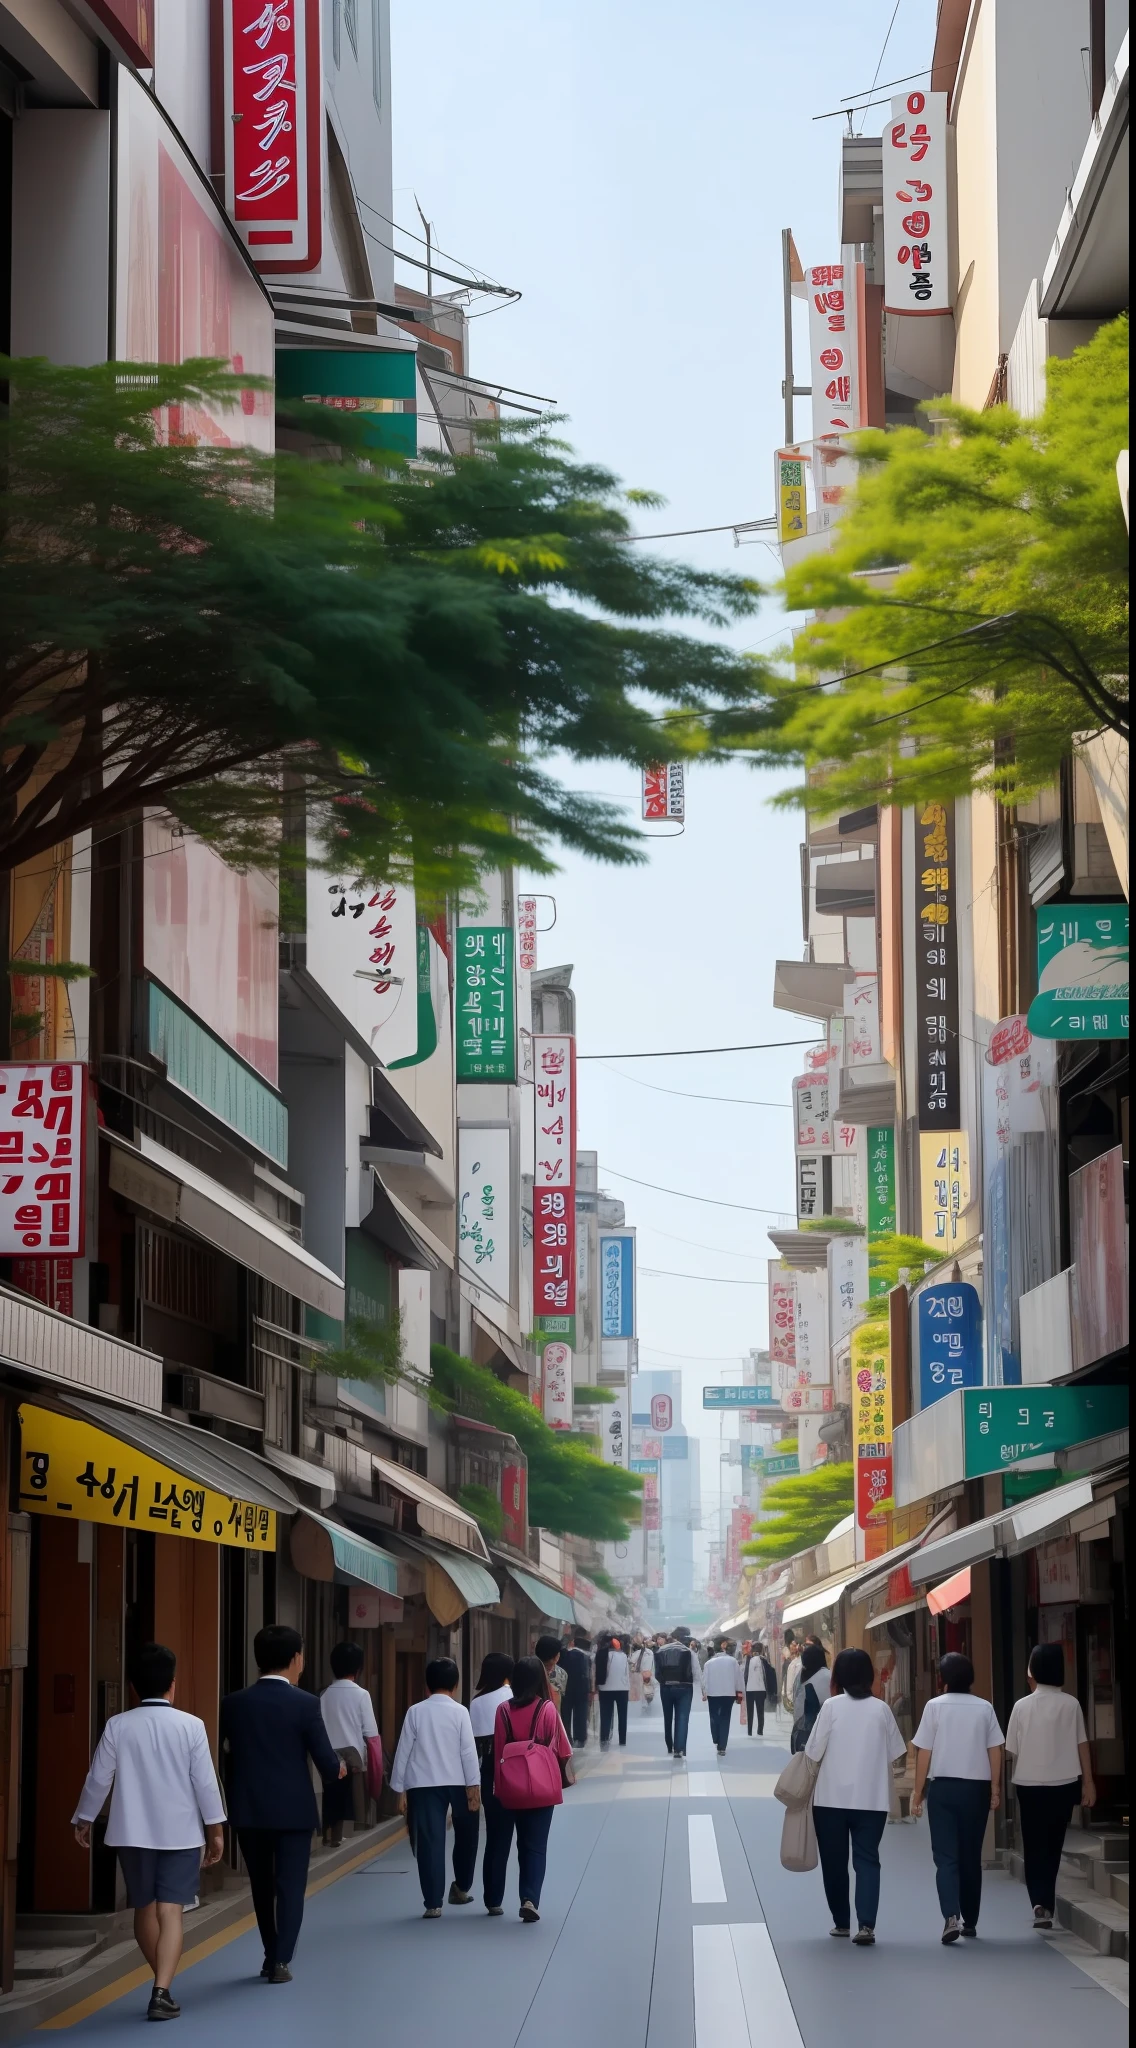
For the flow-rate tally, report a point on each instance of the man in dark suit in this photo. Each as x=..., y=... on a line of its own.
x=578, y=1691
x=270, y=1730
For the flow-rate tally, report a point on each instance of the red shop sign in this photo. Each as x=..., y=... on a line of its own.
x=273, y=107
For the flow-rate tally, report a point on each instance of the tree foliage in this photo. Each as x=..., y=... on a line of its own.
x=571, y=1491
x=803, y=1510
x=973, y=610
x=195, y=626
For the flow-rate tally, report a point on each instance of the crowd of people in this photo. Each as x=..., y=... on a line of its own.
x=509, y=1757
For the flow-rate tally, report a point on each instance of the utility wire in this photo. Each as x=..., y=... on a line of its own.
x=689, y=1052
x=883, y=54
x=664, y=1273
x=745, y=1101
x=731, y=526
x=711, y=1201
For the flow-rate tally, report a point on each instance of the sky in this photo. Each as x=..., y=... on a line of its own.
x=629, y=166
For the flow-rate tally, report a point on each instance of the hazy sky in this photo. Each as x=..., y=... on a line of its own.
x=629, y=167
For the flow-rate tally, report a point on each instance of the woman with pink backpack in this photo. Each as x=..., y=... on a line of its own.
x=532, y=1763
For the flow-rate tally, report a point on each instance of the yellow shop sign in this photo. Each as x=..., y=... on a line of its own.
x=70, y=1468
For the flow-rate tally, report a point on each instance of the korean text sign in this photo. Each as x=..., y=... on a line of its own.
x=1003, y=1425
x=42, y=1159
x=273, y=95
x=936, y=968
x=832, y=340
x=1082, y=971
x=664, y=792
x=484, y=1202
x=526, y=933
x=950, y=1340
x=916, y=278
x=554, y=1178
x=811, y=1109
x=871, y=1419
x=484, y=1004
x=70, y=1469
x=617, y=1283
x=556, y=1385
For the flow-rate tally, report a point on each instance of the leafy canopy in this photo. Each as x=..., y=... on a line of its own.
x=974, y=606
x=803, y=1510
x=190, y=626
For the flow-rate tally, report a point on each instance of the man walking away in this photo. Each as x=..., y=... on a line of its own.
x=613, y=1683
x=349, y=1717
x=578, y=1691
x=674, y=1669
x=723, y=1684
x=165, y=1807
x=270, y=1730
x=436, y=1772
x=759, y=1674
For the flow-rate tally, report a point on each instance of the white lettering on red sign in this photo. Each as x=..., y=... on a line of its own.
x=273, y=95
x=916, y=279
x=554, y=1179
x=42, y=1133
x=664, y=793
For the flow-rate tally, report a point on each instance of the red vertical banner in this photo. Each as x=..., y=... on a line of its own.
x=514, y=1505
x=273, y=107
x=554, y=1181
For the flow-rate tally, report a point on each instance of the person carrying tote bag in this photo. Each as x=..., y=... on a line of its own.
x=532, y=1759
x=794, y=1788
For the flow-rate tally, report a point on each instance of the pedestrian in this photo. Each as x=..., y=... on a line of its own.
x=1053, y=1773
x=436, y=1773
x=855, y=1741
x=958, y=1747
x=270, y=1730
x=493, y=1687
x=528, y=1719
x=790, y=1670
x=578, y=1691
x=675, y=1665
x=723, y=1684
x=811, y=1692
x=756, y=1673
x=349, y=1717
x=165, y=1808
x=613, y=1684
x=547, y=1648
x=643, y=1676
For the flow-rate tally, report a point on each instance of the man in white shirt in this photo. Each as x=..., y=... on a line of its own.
x=436, y=1772
x=722, y=1685
x=958, y=1746
x=165, y=1808
x=349, y=1717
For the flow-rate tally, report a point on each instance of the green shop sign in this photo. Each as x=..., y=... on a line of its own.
x=778, y=1468
x=1082, y=971
x=427, y=1022
x=1002, y=1426
x=881, y=1191
x=379, y=383
x=484, y=1003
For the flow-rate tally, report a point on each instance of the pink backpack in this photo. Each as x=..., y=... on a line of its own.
x=528, y=1773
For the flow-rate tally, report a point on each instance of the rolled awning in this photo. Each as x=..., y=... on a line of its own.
x=817, y=1600
x=951, y=1593
x=439, y=1517
x=454, y=1580
x=546, y=1599
x=320, y=1548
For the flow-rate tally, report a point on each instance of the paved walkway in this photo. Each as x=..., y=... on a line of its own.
x=667, y=1923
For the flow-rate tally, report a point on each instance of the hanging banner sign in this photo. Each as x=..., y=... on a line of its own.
x=662, y=1413
x=811, y=1113
x=832, y=342
x=871, y=1419
x=1082, y=971
x=614, y=1433
x=273, y=129
x=814, y=1360
x=71, y=1469
x=782, y=1319
x=862, y=1043
x=950, y=1340
x=916, y=279
x=936, y=969
x=484, y=1201
x=813, y=1185
x=554, y=1179
x=43, y=1122
x=556, y=1386
x=617, y=1283
x=792, y=512
x=484, y=1004
x=526, y=933
x=847, y=1283
x=664, y=792
x=944, y=1164
x=814, y=1400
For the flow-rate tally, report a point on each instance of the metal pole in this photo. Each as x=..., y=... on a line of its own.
x=786, y=287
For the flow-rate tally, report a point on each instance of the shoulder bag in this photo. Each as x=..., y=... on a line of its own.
x=529, y=1771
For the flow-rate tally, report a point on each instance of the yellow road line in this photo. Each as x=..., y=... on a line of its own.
x=133, y=1979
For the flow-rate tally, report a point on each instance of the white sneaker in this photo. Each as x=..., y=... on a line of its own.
x=951, y=1929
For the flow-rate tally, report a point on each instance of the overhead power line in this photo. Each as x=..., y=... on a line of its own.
x=664, y=1273
x=745, y=1101
x=731, y=526
x=689, y=1052
x=711, y=1201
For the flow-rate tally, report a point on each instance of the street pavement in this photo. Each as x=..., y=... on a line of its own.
x=667, y=1922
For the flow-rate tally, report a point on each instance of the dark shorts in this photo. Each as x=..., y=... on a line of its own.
x=168, y=1876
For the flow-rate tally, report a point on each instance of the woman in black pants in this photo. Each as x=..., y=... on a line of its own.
x=1053, y=1774
x=757, y=1675
x=493, y=1689
x=958, y=1744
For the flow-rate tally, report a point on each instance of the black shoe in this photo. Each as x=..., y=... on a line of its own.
x=970, y=1932
x=266, y=1969
x=280, y=1974
x=864, y=1937
x=162, y=2006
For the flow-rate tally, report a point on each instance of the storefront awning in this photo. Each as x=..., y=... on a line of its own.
x=211, y=1460
x=1011, y=1529
x=320, y=1548
x=951, y=1593
x=439, y=1517
x=454, y=1580
x=817, y=1599
x=546, y=1599
x=869, y=1580
x=776, y=1591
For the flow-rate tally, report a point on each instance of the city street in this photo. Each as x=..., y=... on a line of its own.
x=666, y=1920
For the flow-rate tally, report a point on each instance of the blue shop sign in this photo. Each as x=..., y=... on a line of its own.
x=617, y=1283
x=950, y=1340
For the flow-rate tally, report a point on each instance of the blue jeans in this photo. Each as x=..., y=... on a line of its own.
x=836, y=1827
x=532, y=1850
x=721, y=1712
x=426, y=1816
x=612, y=1704
x=958, y=1809
x=676, y=1701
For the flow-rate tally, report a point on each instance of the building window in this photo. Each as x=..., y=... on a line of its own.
x=351, y=22
x=377, y=52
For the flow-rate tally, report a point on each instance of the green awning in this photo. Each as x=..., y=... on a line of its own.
x=320, y=1548
x=475, y=1586
x=544, y=1598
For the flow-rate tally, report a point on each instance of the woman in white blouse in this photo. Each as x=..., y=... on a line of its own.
x=855, y=1740
x=958, y=1745
x=493, y=1691
x=1053, y=1773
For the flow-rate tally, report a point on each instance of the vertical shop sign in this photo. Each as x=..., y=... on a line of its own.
x=617, y=1283
x=664, y=792
x=662, y=1413
x=792, y=512
x=43, y=1115
x=871, y=1419
x=556, y=1385
x=916, y=279
x=484, y=1003
x=554, y=1180
x=848, y=1285
x=273, y=106
x=484, y=1204
x=950, y=1340
x=814, y=1363
x=1082, y=971
x=945, y=1176
x=881, y=1181
x=515, y=1505
x=936, y=969
x=812, y=1120
x=615, y=1432
x=832, y=340
x=526, y=934
x=862, y=1045
x=782, y=1323
x=814, y=1184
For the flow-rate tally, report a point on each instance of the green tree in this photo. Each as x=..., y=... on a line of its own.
x=974, y=607
x=803, y=1510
